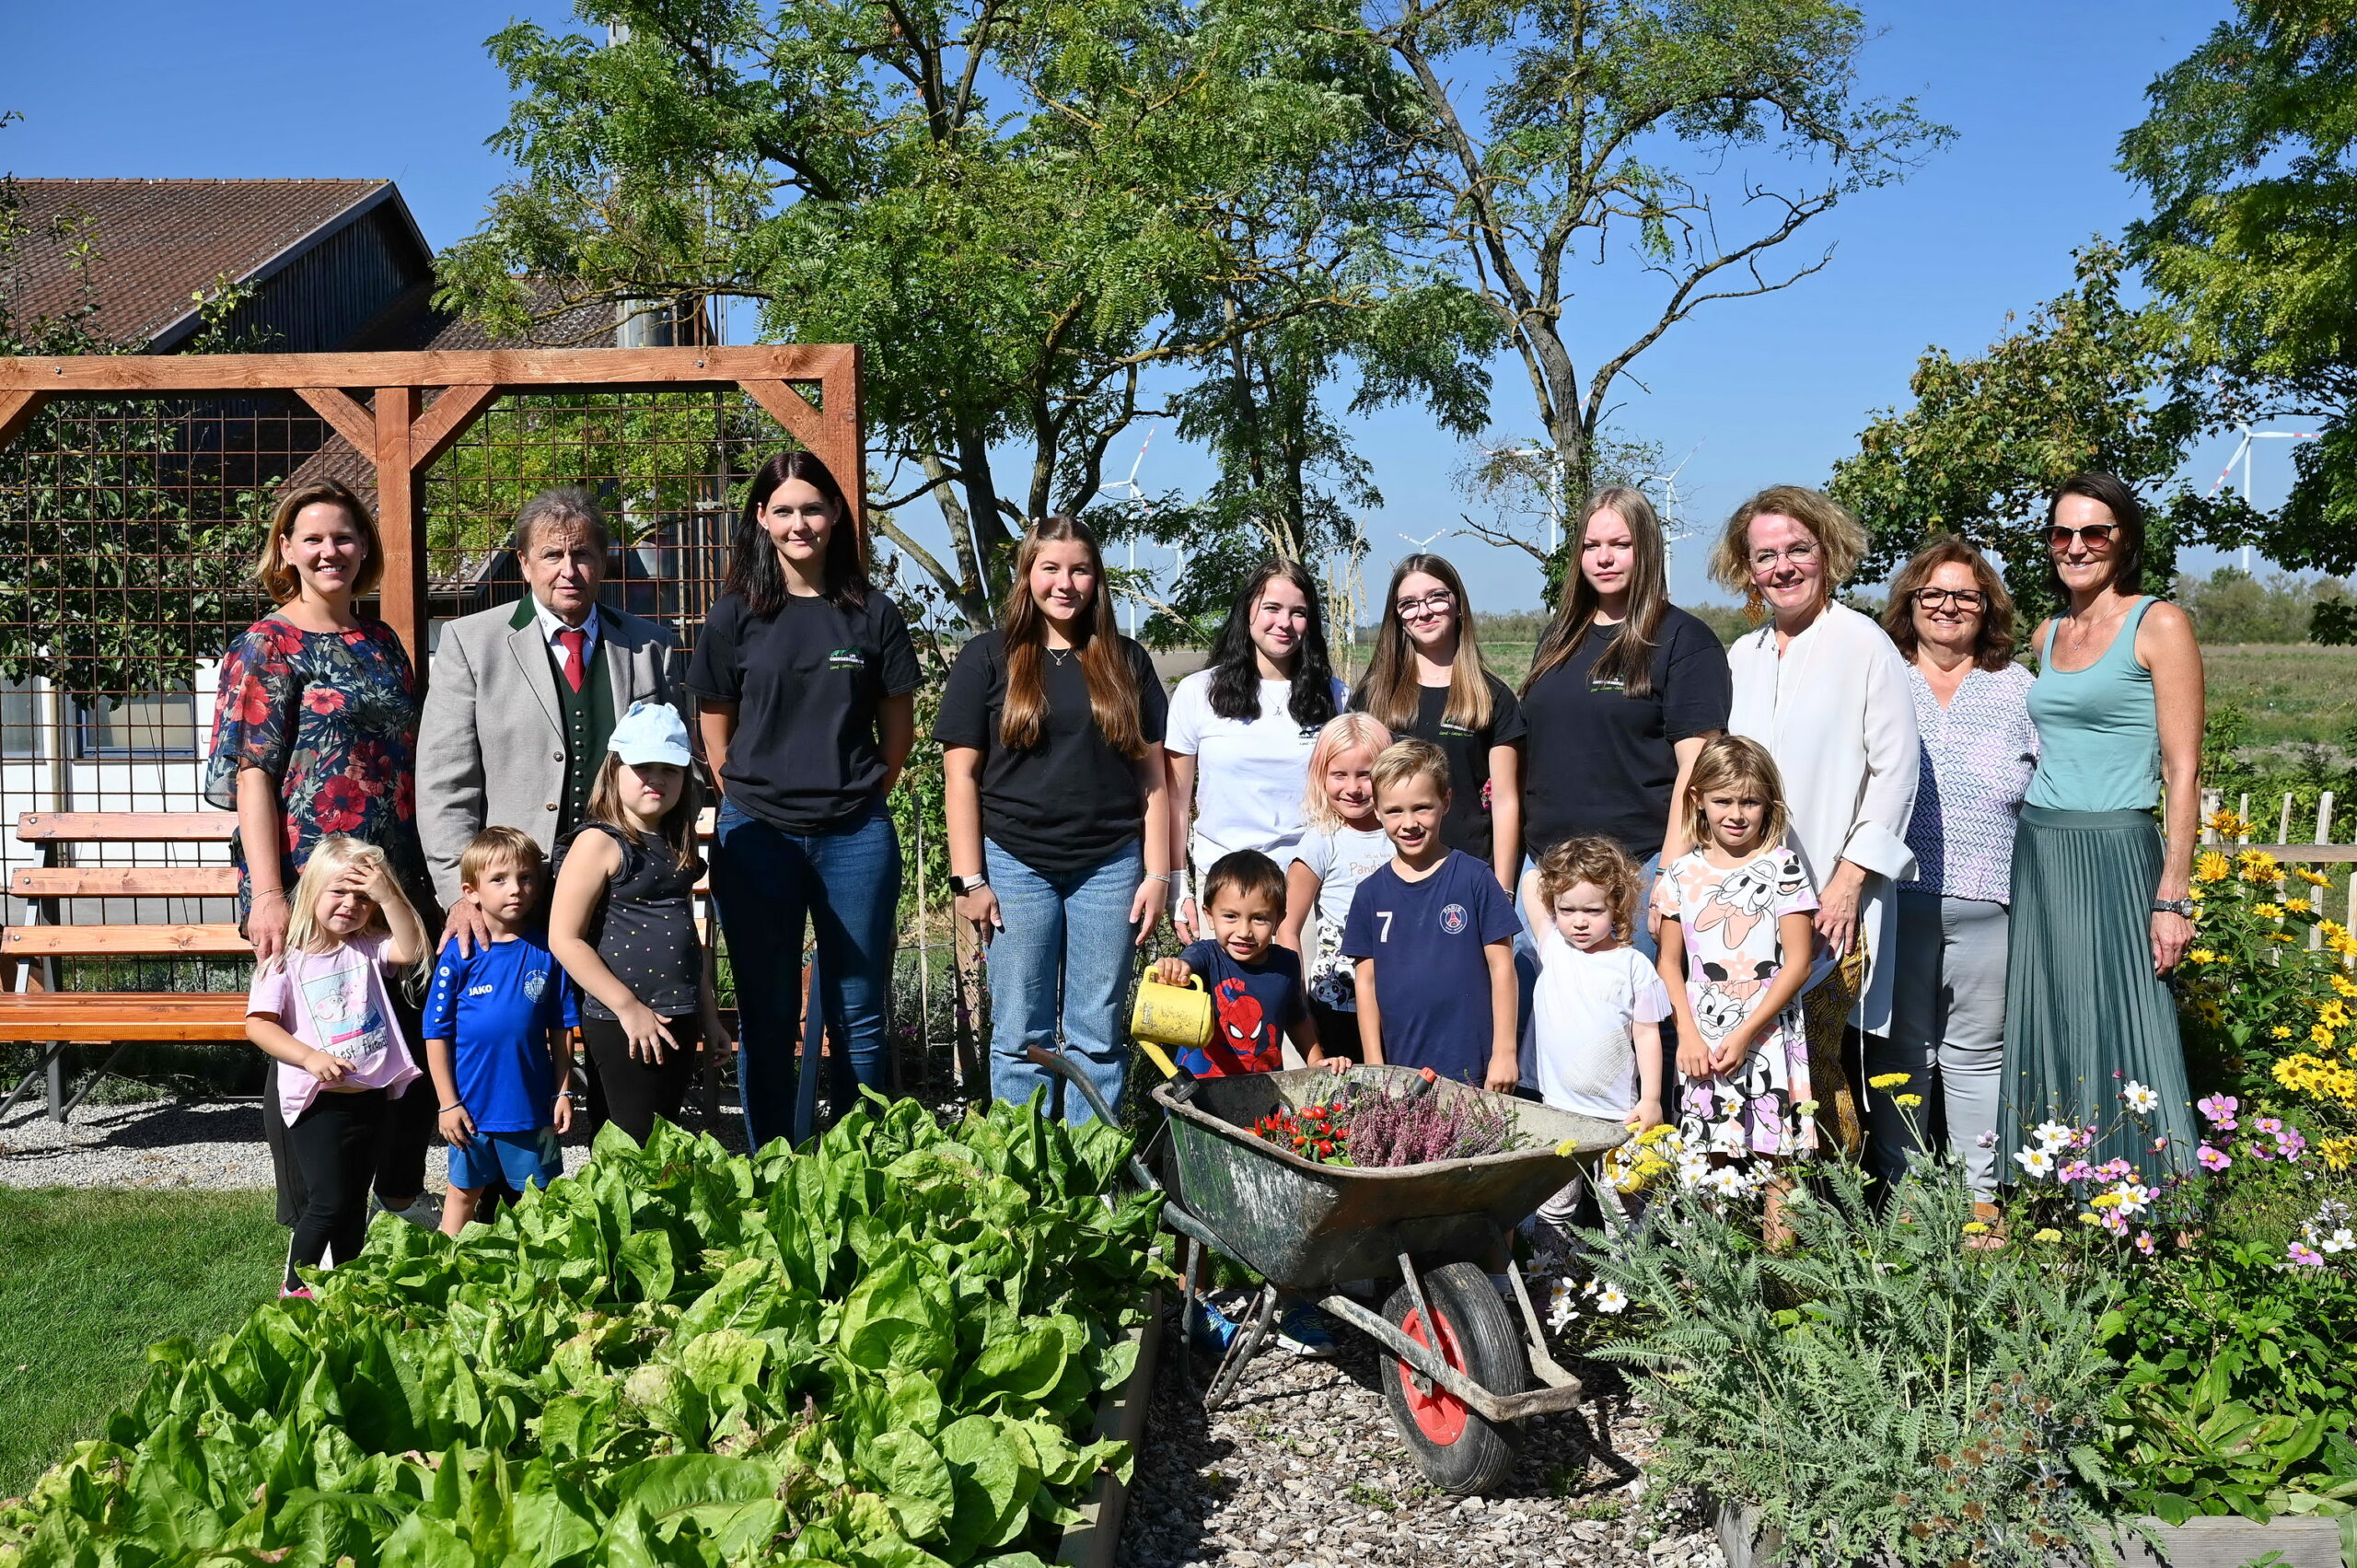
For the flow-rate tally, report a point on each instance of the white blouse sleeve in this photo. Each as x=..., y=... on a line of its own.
x=1886, y=800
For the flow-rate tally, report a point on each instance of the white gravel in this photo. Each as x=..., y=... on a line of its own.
x=1302, y=1469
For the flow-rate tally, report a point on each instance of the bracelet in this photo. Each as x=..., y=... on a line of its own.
x=1163, y=877
x=457, y=1105
x=266, y=893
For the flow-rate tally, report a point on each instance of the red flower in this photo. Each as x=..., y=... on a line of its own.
x=341, y=804
x=251, y=704
x=323, y=699
x=285, y=638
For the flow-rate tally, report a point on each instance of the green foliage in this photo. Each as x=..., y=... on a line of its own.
x=2232, y=606
x=874, y=1353
x=1880, y=1391
x=1987, y=438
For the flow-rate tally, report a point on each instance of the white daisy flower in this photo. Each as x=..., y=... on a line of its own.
x=2037, y=1161
x=2342, y=1241
x=1609, y=1299
x=2133, y=1196
x=2053, y=1136
x=2139, y=1099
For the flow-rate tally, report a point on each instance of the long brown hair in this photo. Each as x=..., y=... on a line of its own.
x=1022, y=626
x=754, y=574
x=1993, y=648
x=677, y=827
x=1390, y=691
x=1629, y=658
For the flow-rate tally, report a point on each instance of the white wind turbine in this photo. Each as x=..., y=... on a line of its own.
x=2242, y=455
x=1673, y=525
x=1140, y=508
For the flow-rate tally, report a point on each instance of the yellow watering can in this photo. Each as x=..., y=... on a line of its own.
x=1171, y=1015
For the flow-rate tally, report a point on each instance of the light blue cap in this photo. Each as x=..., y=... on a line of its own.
x=651, y=732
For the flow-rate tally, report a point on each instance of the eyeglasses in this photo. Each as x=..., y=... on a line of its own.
x=1963, y=599
x=2096, y=537
x=1437, y=603
x=1799, y=557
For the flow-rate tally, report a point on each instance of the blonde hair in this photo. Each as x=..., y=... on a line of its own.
x=1838, y=534
x=277, y=575
x=1343, y=732
x=1595, y=860
x=330, y=858
x=1405, y=760
x=1731, y=760
x=498, y=846
x=1391, y=690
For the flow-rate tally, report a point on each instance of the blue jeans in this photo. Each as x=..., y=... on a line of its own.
x=769, y=885
x=1065, y=956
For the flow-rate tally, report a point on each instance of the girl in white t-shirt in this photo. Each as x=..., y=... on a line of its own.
x=1342, y=843
x=1239, y=734
x=1597, y=1010
x=322, y=1012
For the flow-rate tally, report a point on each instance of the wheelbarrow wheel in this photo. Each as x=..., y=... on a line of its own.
x=1460, y=1452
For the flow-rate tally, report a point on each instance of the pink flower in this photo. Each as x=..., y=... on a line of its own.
x=2292, y=1142
x=2219, y=1109
x=2145, y=1242
x=2115, y=1170
x=2262, y=1151
x=2115, y=1222
x=2077, y=1170
x=2212, y=1160
x=2268, y=1125
x=2304, y=1256
x=2159, y=1144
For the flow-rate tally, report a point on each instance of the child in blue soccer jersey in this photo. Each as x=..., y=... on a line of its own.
x=496, y=1038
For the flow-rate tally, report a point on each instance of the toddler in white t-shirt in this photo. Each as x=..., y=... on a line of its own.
x=1597, y=1010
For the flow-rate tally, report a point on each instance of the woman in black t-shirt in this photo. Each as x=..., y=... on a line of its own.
x=1059, y=838
x=803, y=674
x=1427, y=681
x=1624, y=690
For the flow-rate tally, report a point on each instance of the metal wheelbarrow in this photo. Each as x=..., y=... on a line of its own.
x=1458, y=1370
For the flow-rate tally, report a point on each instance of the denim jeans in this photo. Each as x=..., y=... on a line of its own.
x=771, y=886
x=1064, y=958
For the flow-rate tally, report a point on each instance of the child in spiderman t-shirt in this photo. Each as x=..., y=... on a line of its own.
x=1254, y=985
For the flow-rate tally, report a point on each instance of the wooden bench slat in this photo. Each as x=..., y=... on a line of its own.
x=126, y=827
x=113, y=1018
x=123, y=941
x=125, y=882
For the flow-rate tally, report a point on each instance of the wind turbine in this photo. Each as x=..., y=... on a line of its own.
x=1425, y=543
x=1140, y=508
x=2242, y=455
x=1672, y=531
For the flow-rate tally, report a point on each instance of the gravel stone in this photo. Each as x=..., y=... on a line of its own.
x=1302, y=1469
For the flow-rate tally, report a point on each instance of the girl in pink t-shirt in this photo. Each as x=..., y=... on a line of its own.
x=321, y=1011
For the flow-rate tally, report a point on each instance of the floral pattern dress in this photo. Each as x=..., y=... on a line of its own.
x=1729, y=918
x=332, y=716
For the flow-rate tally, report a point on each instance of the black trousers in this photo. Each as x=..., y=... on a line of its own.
x=333, y=1145
x=399, y=1164
x=637, y=1092
x=1337, y=1031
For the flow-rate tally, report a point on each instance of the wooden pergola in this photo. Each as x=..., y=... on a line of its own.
x=402, y=411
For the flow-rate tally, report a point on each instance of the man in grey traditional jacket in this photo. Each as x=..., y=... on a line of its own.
x=523, y=698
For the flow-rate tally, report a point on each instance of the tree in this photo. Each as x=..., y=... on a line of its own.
x=1033, y=213
x=2250, y=153
x=1987, y=439
x=1612, y=120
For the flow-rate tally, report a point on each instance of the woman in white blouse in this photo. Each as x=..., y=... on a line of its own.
x=1953, y=621
x=1821, y=687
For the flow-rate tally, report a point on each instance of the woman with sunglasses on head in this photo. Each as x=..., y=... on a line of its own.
x=1952, y=622
x=2101, y=910
x=1427, y=682
x=1821, y=687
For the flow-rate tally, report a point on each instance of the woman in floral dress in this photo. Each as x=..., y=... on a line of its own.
x=315, y=733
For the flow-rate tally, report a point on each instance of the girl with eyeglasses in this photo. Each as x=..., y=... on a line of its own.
x=1427, y=682
x=1952, y=622
x=2100, y=892
x=1821, y=687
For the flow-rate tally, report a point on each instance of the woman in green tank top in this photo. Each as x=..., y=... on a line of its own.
x=2100, y=913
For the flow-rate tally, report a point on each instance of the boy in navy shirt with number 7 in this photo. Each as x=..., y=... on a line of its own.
x=496, y=1039
x=1432, y=933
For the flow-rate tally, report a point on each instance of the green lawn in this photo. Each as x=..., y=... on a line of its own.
x=89, y=1279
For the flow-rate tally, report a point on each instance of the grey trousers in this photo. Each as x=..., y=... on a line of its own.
x=1948, y=1033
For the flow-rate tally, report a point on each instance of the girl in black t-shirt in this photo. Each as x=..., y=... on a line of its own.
x=1427, y=681
x=1059, y=841
x=803, y=674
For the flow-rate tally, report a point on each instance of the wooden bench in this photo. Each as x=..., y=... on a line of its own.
x=43, y=1014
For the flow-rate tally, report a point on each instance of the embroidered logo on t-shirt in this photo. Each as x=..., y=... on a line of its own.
x=1606, y=683
x=1448, y=729
x=846, y=658
x=1452, y=918
x=534, y=984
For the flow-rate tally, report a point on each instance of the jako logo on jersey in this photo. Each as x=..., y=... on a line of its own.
x=1452, y=919
x=481, y=990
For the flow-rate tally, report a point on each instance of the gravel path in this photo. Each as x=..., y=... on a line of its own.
x=1302, y=1469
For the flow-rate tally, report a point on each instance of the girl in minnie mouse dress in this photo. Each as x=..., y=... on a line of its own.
x=1735, y=945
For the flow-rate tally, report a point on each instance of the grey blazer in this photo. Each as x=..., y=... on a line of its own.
x=491, y=742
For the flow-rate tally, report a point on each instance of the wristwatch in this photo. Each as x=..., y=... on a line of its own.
x=2175, y=906
x=962, y=886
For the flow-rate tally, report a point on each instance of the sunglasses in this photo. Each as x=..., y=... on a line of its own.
x=2095, y=535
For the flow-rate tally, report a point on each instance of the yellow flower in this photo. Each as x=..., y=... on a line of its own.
x=2321, y=1036
x=2226, y=825
x=1907, y=1099
x=2053, y=1236
x=2258, y=866
x=2312, y=878
x=2279, y=936
x=2211, y=866
x=2343, y=986
x=2267, y=912
x=1889, y=1080
x=2338, y=1153
x=2104, y=1201
x=2335, y=1013
x=2297, y=906
x=2282, y=1031
x=1976, y=1228
x=2202, y=956
x=2090, y=1217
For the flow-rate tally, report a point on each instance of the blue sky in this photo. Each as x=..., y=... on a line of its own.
x=1758, y=391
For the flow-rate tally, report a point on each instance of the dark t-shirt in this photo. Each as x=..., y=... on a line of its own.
x=1252, y=1006
x=1431, y=976
x=1467, y=825
x=807, y=681
x=1065, y=804
x=1599, y=762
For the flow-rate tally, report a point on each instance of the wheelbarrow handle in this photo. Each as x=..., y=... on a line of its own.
x=1057, y=1062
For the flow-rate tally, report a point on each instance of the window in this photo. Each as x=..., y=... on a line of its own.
x=139, y=724
x=20, y=712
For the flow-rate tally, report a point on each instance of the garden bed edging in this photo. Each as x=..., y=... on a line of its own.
x=1092, y=1541
x=2229, y=1542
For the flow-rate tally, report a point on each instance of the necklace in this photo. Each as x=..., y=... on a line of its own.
x=1060, y=656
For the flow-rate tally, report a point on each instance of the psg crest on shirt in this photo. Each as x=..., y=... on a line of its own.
x=1452, y=919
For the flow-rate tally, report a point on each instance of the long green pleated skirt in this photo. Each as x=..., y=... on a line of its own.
x=2084, y=1014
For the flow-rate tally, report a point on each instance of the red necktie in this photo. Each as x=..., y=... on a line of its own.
x=573, y=638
